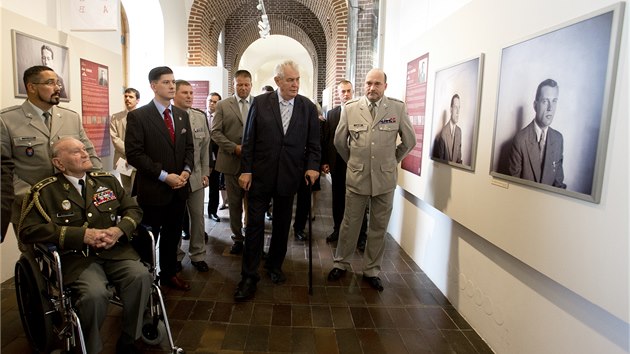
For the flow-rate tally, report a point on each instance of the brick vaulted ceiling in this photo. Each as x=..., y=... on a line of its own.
x=319, y=25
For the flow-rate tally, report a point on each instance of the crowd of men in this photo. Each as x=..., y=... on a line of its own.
x=264, y=148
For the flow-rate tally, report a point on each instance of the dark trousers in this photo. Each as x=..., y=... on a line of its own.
x=166, y=221
x=338, y=176
x=213, y=192
x=255, y=232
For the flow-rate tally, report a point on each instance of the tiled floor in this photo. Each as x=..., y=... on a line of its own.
x=410, y=316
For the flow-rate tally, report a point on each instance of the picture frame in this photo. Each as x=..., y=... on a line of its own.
x=580, y=57
x=29, y=51
x=457, y=97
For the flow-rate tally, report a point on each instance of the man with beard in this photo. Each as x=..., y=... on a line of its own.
x=28, y=131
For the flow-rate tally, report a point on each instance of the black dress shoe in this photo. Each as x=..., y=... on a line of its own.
x=186, y=236
x=245, y=290
x=375, y=282
x=126, y=345
x=178, y=266
x=201, y=266
x=205, y=235
x=269, y=216
x=223, y=207
x=176, y=282
x=361, y=245
x=300, y=235
x=334, y=236
x=276, y=275
x=335, y=274
x=237, y=248
x=214, y=217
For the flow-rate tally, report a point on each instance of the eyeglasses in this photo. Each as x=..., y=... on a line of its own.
x=49, y=83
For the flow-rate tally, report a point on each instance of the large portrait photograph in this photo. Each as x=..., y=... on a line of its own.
x=554, y=104
x=30, y=51
x=457, y=94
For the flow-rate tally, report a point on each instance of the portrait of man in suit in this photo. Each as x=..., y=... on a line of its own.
x=537, y=149
x=448, y=144
x=159, y=144
x=280, y=149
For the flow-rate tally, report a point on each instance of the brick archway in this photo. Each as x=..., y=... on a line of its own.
x=320, y=25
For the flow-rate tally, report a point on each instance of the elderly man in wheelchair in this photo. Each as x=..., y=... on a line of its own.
x=91, y=221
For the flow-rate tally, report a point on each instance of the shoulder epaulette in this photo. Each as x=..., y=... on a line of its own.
x=395, y=99
x=43, y=183
x=101, y=174
x=67, y=109
x=198, y=110
x=354, y=100
x=9, y=109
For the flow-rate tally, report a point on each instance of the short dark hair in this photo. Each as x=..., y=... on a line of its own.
x=45, y=47
x=344, y=82
x=134, y=91
x=548, y=82
x=242, y=73
x=156, y=73
x=453, y=99
x=268, y=88
x=179, y=83
x=33, y=72
x=214, y=94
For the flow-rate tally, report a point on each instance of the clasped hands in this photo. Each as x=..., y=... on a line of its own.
x=102, y=238
x=176, y=181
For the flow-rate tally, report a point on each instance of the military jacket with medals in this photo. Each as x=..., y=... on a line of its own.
x=55, y=212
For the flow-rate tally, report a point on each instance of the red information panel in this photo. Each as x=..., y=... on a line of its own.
x=416, y=99
x=95, y=104
x=201, y=89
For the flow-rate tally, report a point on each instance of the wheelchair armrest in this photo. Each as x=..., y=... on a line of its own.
x=143, y=242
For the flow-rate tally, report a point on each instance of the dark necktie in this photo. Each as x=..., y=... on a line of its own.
x=47, y=119
x=82, y=183
x=169, y=124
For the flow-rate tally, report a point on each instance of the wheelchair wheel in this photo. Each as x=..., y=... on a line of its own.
x=153, y=334
x=33, y=305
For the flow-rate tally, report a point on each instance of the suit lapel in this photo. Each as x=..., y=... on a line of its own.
x=275, y=108
x=156, y=119
x=236, y=109
x=380, y=113
x=179, y=124
x=534, y=152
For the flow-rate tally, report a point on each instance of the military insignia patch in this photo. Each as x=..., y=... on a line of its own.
x=65, y=205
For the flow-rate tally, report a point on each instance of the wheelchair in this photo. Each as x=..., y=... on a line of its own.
x=46, y=307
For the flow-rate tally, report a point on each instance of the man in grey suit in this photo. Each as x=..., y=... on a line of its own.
x=28, y=131
x=227, y=132
x=198, y=179
x=117, y=130
x=448, y=145
x=366, y=138
x=536, y=153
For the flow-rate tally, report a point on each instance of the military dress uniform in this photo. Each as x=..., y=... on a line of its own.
x=369, y=147
x=54, y=211
x=28, y=142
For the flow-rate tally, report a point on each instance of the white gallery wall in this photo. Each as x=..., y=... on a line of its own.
x=531, y=270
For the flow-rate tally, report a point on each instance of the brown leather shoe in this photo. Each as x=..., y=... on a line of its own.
x=176, y=282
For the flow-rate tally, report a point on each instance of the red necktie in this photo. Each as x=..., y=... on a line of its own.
x=169, y=124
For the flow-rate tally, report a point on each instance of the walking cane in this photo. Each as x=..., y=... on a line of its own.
x=310, y=241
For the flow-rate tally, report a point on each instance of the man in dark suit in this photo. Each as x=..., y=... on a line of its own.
x=448, y=145
x=159, y=145
x=91, y=219
x=335, y=165
x=281, y=148
x=537, y=149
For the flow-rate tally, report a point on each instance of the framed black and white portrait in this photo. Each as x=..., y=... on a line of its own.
x=457, y=95
x=554, y=104
x=30, y=51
